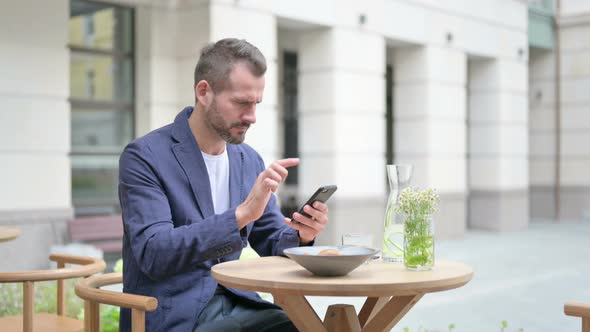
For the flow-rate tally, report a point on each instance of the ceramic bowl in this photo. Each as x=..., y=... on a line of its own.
x=349, y=259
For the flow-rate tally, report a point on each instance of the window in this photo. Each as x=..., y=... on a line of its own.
x=291, y=130
x=290, y=116
x=102, y=101
x=389, y=115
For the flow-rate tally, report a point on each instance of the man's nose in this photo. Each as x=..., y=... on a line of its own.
x=250, y=115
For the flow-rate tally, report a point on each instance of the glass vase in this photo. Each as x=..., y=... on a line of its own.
x=418, y=242
x=399, y=177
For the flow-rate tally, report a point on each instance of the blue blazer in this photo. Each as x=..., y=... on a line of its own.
x=172, y=235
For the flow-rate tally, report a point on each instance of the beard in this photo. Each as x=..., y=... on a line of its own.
x=216, y=121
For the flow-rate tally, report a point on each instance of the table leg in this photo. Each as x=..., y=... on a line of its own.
x=300, y=312
x=377, y=315
x=371, y=308
x=341, y=317
x=391, y=313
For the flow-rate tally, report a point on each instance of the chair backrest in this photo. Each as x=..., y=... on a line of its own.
x=84, y=267
x=89, y=290
x=582, y=310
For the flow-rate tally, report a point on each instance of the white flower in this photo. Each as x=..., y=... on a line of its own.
x=415, y=201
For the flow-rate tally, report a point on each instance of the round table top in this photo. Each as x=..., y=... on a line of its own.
x=8, y=233
x=377, y=278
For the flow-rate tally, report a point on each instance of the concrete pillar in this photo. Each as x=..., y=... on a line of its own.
x=342, y=107
x=168, y=42
x=498, y=145
x=254, y=22
x=429, y=131
x=542, y=134
x=34, y=128
x=574, y=78
x=169, y=39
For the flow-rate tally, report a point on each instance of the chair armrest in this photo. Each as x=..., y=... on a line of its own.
x=577, y=309
x=88, y=289
x=71, y=259
x=86, y=266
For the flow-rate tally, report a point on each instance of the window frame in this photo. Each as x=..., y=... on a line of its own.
x=81, y=104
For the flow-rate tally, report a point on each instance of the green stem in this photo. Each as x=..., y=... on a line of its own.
x=396, y=245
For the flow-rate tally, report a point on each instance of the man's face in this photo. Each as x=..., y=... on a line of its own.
x=233, y=110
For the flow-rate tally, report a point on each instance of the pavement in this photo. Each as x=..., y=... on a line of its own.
x=523, y=278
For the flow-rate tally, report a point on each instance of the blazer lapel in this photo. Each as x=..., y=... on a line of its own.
x=236, y=188
x=191, y=160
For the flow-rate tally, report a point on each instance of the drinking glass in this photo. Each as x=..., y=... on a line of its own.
x=359, y=240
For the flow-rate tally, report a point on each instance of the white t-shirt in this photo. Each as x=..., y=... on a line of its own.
x=218, y=169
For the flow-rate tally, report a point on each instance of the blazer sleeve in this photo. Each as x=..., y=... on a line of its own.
x=159, y=248
x=270, y=235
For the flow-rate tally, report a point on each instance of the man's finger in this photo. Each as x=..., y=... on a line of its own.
x=320, y=206
x=288, y=162
x=282, y=171
x=272, y=174
x=316, y=215
x=271, y=185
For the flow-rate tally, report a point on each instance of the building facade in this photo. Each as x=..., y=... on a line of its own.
x=487, y=99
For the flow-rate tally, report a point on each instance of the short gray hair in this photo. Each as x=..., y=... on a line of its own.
x=218, y=59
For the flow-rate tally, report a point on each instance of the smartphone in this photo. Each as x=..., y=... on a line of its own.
x=322, y=194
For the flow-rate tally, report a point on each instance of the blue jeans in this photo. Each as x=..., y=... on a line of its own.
x=227, y=313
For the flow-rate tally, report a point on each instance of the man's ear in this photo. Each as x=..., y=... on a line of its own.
x=203, y=93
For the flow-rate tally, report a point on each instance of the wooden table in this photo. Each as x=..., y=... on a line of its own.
x=391, y=290
x=9, y=233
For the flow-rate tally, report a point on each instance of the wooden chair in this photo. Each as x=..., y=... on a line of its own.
x=89, y=290
x=582, y=310
x=86, y=266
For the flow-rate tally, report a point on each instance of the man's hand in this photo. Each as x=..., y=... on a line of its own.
x=309, y=228
x=267, y=182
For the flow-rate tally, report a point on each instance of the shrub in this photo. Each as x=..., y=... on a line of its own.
x=11, y=298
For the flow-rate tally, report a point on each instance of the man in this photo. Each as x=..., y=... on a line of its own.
x=190, y=200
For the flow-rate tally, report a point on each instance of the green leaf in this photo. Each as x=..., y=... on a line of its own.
x=503, y=326
x=118, y=266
